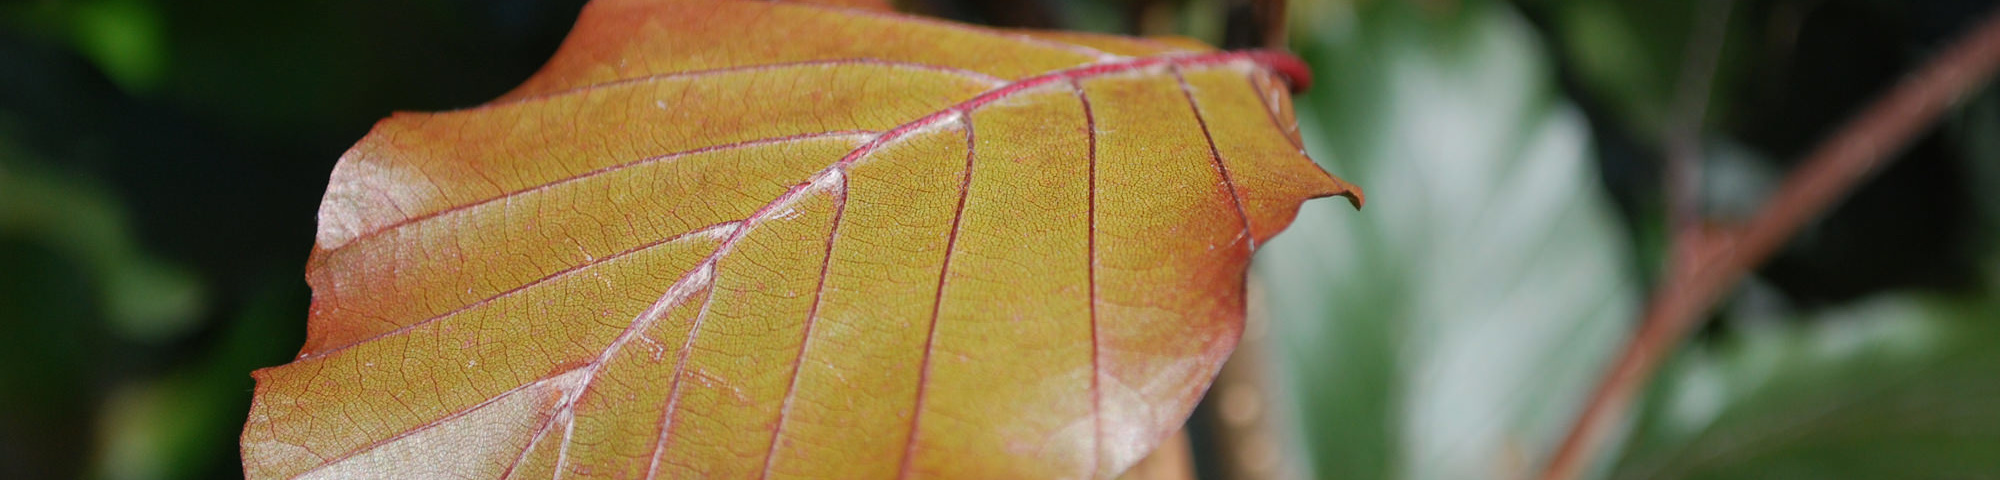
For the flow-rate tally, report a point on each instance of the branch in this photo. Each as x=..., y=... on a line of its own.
x=1722, y=258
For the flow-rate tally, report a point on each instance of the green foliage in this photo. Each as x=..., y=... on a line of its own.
x=125, y=38
x=1451, y=328
x=159, y=167
x=1899, y=386
x=144, y=297
x=176, y=425
x=1630, y=54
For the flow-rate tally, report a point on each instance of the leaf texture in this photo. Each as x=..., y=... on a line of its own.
x=751, y=239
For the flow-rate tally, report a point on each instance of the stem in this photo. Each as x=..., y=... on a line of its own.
x=1720, y=259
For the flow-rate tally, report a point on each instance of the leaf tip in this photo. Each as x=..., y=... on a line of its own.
x=1354, y=196
x=1341, y=188
x=1295, y=72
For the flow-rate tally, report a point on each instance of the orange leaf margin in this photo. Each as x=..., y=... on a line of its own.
x=854, y=245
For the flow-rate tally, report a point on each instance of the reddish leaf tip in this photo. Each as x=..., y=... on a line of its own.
x=1297, y=75
x=1343, y=189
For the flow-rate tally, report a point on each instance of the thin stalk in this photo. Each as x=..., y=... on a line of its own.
x=1721, y=259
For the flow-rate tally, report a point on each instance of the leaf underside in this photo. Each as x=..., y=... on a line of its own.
x=747, y=239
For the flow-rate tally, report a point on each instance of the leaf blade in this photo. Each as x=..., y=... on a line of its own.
x=706, y=308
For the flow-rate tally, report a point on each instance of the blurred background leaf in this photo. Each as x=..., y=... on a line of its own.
x=1896, y=386
x=1901, y=384
x=1449, y=329
x=1629, y=55
x=160, y=167
x=144, y=298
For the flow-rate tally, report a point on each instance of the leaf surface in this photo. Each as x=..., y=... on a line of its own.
x=750, y=239
x=1451, y=331
x=1899, y=385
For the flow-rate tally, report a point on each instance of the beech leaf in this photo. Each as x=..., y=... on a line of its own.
x=750, y=239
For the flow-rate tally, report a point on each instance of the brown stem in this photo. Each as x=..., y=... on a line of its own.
x=1720, y=259
x=1136, y=13
x=1271, y=22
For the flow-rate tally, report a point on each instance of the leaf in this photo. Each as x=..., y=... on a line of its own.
x=1630, y=56
x=735, y=239
x=144, y=297
x=1895, y=386
x=1450, y=331
x=177, y=424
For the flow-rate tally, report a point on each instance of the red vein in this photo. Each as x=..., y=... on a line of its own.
x=429, y=425
x=531, y=284
x=1272, y=114
x=1283, y=63
x=937, y=302
x=960, y=112
x=678, y=291
x=674, y=388
x=540, y=432
x=410, y=220
x=819, y=297
x=1096, y=393
x=1215, y=156
x=562, y=452
x=831, y=62
x=668, y=300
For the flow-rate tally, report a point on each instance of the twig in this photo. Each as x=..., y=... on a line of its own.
x=1723, y=258
x=1140, y=17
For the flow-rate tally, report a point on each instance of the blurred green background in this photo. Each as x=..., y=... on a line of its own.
x=161, y=163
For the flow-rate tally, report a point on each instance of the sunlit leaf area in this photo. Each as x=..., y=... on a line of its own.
x=1535, y=171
